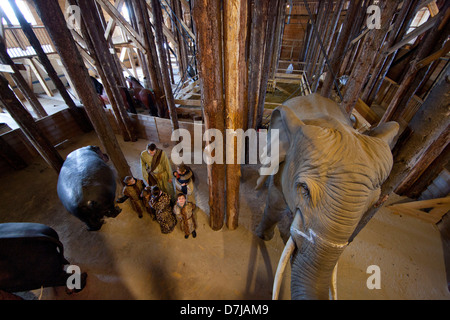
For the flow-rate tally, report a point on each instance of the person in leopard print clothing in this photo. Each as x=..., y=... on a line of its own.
x=160, y=202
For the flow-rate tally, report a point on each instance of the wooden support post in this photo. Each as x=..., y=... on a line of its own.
x=370, y=48
x=34, y=41
x=157, y=13
x=207, y=17
x=315, y=45
x=55, y=23
x=423, y=162
x=384, y=61
x=114, y=13
x=405, y=26
x=32, y=63
x=107, y=63
x=338, y=53
x=328, y=42
x=268, y=51
x=118, y=71
x=182, y=51
x=29, y=127
x=21, y=83
x=256, y=56
x=434, y=38
x=430, y=173
x=151, y=56
x=424, y=134
x=279, y=30
x=322, y=28
x=135, y=24
x=235, y=75
x=169, y=62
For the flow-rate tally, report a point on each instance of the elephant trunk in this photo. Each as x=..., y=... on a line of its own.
x=312, y=269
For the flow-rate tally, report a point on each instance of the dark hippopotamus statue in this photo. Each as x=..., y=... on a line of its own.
x=87, y=186
x=31, y=256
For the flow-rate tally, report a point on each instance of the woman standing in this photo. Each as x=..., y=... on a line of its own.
x=160, y=202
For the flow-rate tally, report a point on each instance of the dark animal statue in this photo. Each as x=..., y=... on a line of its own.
x=143, y=96
x=87, y=186
x=134, y=96
x=104, y=100
x=31, y=256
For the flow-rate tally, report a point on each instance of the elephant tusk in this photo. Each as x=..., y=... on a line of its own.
x=333, y=287
x=285, y=256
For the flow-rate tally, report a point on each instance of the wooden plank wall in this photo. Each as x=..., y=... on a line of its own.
x=57, y=127
x=60, y=127
x=154, y=129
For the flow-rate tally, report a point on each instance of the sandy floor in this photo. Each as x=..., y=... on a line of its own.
x=129, y=258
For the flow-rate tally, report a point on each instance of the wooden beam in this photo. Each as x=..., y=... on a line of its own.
x=26, y=122
x=160, y=41
x=235, y=76
x=433, y=8
x=21, y=83
x=33, y=65
x=369, y=51
x=384, y=61
x=259, y=15
x=343, y=39
x=207, y=17
x=433, y=57
x=413, y=34
x=367, y=113
x=438, y=207
x=413, y=77
x=131, y=32
x=152, y=66
x=182, y=51
x=50, y=13
x=185, y=102
x=107, y=64
x=431, y=173
x=44, y=60
x=268, y=52
x=66, y=74
x=423, y=160
x=109, y=30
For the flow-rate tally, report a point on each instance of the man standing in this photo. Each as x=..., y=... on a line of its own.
x=156, y=169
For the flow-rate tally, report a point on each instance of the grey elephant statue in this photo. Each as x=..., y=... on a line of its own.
x=329, y=175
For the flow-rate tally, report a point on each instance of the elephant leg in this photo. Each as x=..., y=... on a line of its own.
x=274, y=211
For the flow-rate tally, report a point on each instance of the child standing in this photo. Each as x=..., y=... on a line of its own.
x=133, y=189
x=184, y=182
x=146, y=196
x=160, y=202
x=184, y=210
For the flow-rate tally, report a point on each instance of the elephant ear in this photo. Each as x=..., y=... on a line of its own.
x=284, y=124
x=387, y=132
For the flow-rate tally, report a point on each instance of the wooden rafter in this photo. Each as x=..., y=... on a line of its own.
x=109, y=30
x=130, y=31
x=436, y=208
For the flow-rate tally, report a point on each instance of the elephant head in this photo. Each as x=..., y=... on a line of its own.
x=329, y=175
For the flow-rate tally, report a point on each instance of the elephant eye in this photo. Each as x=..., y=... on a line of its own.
x=304, y=189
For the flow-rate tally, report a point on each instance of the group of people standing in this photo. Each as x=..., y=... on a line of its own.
x=169, y=196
